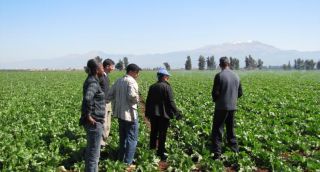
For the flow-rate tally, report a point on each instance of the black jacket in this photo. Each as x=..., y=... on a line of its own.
x=105, y=84
x=160, y=101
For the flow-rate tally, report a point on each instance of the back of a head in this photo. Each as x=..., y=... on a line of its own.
x=133, y=68
x=108, y=62
x=224, y=61
x=92, y=66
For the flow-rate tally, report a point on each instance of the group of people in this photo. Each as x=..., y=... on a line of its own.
x=100, y=101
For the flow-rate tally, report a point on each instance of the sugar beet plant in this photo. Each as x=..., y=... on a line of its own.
x=277, y=124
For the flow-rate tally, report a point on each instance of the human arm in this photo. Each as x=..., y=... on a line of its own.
x=240, y=92
x=88, y=103
x=172, y=104
x=215, y=89
x=133, y=93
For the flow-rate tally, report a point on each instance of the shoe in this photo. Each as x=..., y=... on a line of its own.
x=163, y=157
x=131, y=167
x=216, y=156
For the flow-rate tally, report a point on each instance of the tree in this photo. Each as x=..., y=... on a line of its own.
x=167, y=65
x=250, y=63
x=125, y=61
x=309, y=64
x=211, y=64
x=318, y=65
x=234, y=63
x=289, y=66
x=120, y=65
x=284, y=67
x=188, y=65
x=260, y=64
x=299, y=64
x=202, y=63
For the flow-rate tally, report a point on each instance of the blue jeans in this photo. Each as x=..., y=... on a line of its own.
x=94, y=136
x=128, y=132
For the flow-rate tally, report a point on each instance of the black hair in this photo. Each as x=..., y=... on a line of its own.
x=133, y=67
x=108, y=62
x=92, y=66
x=160, y=76
x=224, y=61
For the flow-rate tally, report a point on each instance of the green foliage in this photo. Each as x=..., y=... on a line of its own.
x=120, y=65
x=125, y=62
x=277, y=124
x=202, y=63
x=188, y=65
x=211, y=64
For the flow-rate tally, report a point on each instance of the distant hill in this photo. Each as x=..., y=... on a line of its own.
x=269, y=54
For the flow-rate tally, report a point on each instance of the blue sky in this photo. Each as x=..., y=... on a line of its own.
x=32, y=29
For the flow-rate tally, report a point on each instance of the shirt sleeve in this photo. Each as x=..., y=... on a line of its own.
x=240, y=93
x=89, y=98
x=133, y=93
x=171, y=102
x=215, y=89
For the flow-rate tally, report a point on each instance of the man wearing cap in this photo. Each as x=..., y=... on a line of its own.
x=225, y=92
x=160, y=108
x=124, y=95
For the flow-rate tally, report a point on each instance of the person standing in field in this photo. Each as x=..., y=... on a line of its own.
x=225, y=92
x=92, y=113
x=160, y=108
x=124, y=95
x=108, y=67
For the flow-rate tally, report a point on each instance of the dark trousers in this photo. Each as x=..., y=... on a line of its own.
x=159, y=127
x=220, y=118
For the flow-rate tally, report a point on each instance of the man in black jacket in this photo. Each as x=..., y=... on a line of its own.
x=160, y=108
x=225, y=92
x=108, y=67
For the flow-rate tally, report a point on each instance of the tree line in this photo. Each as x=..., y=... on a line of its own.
x=300, y=64
x=209, y=63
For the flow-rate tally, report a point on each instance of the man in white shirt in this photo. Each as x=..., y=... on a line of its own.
x=124, y=95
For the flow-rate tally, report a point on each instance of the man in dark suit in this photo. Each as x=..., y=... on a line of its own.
x=225, y=92
x=160, y=108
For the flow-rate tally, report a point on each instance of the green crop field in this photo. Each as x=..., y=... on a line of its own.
x=277, y=124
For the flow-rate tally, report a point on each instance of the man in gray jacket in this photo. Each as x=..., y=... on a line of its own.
x=225, y=92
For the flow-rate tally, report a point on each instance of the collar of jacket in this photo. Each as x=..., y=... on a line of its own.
x=129, y=76
x=93, y=78
x=164, y=82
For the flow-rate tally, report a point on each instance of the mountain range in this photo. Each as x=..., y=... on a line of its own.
x=270, y=55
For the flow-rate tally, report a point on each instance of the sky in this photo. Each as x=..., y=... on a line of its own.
x=36, y=29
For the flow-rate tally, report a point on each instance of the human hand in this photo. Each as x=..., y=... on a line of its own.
x=91, y=120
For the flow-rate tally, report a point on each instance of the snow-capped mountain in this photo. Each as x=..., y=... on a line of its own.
x=270, y=55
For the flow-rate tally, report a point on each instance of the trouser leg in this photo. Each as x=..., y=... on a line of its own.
x=154, y=132
x=163, y=127
x=131, y=141
x=122, y=137
x=231, y=136
x=106, y=124
x=92, y=154
x=217, y=130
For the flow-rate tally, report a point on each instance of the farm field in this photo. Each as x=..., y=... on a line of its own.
x=277, y=124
